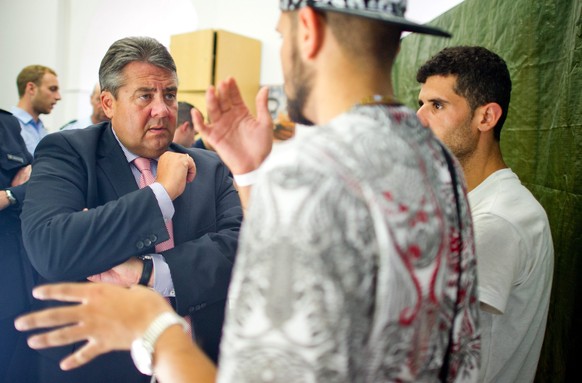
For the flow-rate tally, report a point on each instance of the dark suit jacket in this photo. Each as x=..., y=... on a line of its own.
x=86, y=168
x=17, y=277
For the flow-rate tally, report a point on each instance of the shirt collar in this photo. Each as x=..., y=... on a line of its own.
x=23, y=115
x=129, y=156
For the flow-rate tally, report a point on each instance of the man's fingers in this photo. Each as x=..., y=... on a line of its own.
x=224, y=96
x=59, y=337
x=82, y=356
x=191, y=169
x=212, y=106
x=197, y=120
x=234, y=92
x=47, y=318
x=263, y=114
x=66, y=292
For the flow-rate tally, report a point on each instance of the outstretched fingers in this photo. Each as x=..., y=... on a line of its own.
x=65, y=292
x=59, y=337
x=263, y=114
x=212, y=105
x=199, y=122
x=61, y=316
x=82, y=356
x=234, y=96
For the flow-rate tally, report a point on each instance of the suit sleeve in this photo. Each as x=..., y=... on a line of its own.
x=63, y=241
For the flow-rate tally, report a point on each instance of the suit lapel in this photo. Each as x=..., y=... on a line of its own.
x=112, y=163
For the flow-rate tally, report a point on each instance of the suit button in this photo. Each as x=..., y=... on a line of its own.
x=153, y=238
x=139, y=245
x=191, y=309
x=147, y=242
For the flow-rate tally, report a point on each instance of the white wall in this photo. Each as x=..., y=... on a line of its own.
x=71, y=36
x=29, y=34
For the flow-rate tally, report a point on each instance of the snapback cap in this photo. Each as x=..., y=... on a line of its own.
x=389, y=11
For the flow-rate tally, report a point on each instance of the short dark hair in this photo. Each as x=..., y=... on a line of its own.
x=126, y=51
x=31, y=73
x=369, y=41
x=482, y=77
x=365, y=38
x=184, y=115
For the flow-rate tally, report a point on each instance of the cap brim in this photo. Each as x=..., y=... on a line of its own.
x=406, y=25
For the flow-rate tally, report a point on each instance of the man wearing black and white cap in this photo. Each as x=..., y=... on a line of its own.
x=356, y=260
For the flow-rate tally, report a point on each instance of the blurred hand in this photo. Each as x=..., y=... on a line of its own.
x=242, y=141
x=22, y=176
x=126, y=274
x=108, y=317
x=174, y=170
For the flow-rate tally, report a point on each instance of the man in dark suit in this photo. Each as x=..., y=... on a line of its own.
x=17, y=361
x=89, y=214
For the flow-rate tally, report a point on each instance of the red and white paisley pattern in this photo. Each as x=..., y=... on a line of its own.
x=348, y=266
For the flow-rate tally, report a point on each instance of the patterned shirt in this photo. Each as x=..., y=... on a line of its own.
x=348, y=266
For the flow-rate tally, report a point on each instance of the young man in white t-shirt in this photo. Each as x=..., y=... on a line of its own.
x=464, y=100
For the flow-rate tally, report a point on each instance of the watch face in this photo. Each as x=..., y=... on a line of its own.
x=142, y=357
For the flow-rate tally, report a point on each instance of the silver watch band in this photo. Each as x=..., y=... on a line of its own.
x=10, y=196
x=142, y=348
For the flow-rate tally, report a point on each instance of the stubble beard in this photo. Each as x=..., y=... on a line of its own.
x=302, y=83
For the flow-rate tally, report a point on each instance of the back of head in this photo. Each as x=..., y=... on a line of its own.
x=482, y=77
x=366, y=29
x=126, y=51
x=366, y=41
x=31, y=73
x=184, y=112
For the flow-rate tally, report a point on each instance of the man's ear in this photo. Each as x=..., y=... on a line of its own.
x=185, y=126
x=310, y=32
x=108, y=103
x=30, y=87
x=489, y=114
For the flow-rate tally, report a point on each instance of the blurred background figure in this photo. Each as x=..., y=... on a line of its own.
x=185, y=133
x=38, y=89
x=96, y=117
x=18, y=363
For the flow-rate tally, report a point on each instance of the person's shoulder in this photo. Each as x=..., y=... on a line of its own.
x=78, y=137
x=7, y=116
x=9, y=121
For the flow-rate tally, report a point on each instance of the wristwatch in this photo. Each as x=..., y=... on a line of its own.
x=10, y=196
x=142, y=349
x=146, y=273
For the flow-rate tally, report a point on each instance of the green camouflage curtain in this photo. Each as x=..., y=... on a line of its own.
x=541, y=41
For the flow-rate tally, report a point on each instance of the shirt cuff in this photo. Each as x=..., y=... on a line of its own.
x=164, y=200
x=246, y=179
x=163, y=283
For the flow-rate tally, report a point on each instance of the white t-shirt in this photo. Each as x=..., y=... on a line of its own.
x=515, y=265
x=348, y=261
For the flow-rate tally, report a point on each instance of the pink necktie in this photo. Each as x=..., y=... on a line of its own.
x=147, y=178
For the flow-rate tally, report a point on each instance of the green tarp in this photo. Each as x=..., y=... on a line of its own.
x=541, y=41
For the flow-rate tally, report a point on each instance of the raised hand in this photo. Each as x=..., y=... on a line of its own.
x=108, y=317
x=174, y=171
x=241, y=140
